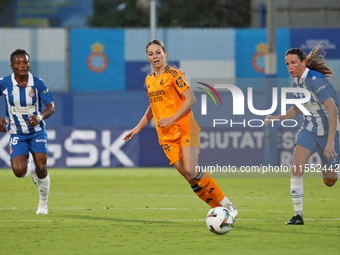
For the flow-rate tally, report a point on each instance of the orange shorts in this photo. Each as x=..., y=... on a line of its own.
x=173, y=149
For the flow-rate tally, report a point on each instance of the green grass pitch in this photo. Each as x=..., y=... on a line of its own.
x=153, y=211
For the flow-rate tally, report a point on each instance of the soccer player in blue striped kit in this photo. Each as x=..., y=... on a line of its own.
x=320, y=130
x=24, y=95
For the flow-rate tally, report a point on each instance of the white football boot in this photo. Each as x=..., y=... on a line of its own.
x=31, y=168
x=231, y=207
x=42, y=209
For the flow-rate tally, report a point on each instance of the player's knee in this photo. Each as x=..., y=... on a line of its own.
x=297, y=169
x=41, y=170
x=188, y=172
x=189, y=178
x=41, y=173
x=19, y=171
x=329, y=181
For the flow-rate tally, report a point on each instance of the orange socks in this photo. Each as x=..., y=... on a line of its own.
x=207, y=182
x=205, y=196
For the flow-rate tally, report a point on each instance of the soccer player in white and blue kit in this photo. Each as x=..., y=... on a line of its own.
x=320, y=130
x=24, y=95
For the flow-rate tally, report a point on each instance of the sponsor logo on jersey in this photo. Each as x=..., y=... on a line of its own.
x=319, y=89
x=156, y=93
x=156, y=96
x=40, y=140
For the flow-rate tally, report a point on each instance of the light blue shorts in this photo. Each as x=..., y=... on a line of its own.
x=22, y=144
x=316, y=143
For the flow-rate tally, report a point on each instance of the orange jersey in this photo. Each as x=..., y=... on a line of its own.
x=165, y=95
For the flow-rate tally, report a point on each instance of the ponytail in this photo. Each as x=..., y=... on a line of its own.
x=316, y=61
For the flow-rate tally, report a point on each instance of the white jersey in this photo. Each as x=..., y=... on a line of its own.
x=22, y=102
x=321, y=89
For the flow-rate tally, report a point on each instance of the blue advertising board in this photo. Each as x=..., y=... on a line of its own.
x=97, y=60
x=52, y=13
x=137, y=71
x=250, y=60
x=231, y=146
x=135, y=74
x=71, y=147
x=307, y=39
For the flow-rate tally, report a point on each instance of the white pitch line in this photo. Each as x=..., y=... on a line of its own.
x=160, y=220
x=117, y=208
x=152, y=208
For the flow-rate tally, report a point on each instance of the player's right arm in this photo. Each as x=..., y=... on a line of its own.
x=142, y=123
x=2, y=121
x=2, y=125
x=290, y=114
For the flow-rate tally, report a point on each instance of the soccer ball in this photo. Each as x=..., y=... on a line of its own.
x=219, y=220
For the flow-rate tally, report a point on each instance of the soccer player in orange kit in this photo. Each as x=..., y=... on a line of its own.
x=171, y=100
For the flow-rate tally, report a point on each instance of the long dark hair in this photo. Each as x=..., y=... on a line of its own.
x=315, y=60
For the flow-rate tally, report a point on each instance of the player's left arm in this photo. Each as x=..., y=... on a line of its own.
x=47, y=99
x=47, y=112
x=189, y=102
x=322, y=88
x=332, y=123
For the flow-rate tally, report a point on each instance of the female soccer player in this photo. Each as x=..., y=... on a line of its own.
x=320, y=130
x=171, y=100
x=24, y=94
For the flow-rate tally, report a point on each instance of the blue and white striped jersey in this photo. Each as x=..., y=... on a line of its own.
x=22, y=102
x=320, y=89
